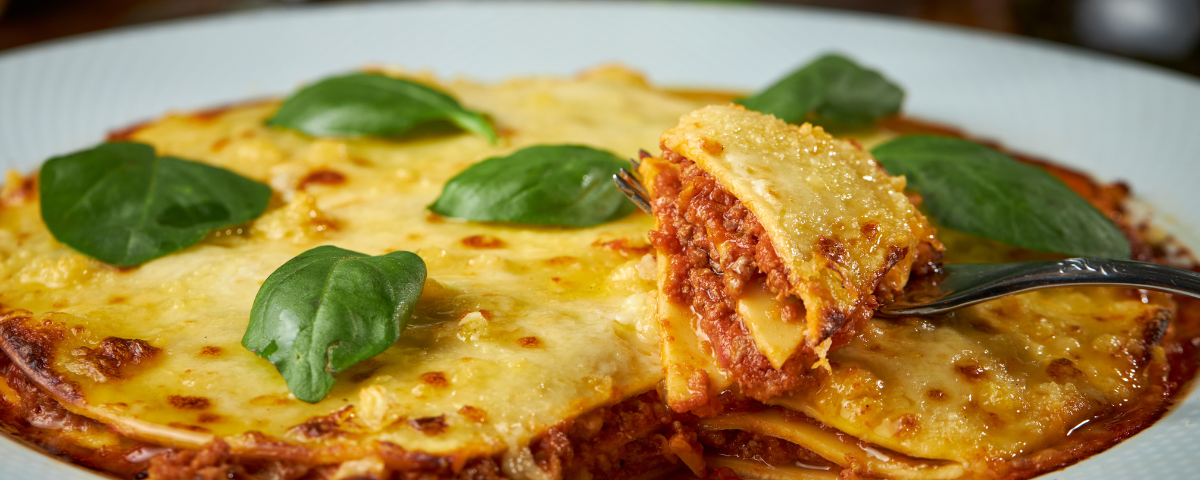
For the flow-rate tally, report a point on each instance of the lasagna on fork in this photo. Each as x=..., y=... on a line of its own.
x=775, y=243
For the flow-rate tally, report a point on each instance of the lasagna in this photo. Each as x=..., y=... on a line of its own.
x=542, y=352
x=781, y=239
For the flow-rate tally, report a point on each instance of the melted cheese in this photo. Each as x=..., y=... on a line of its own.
x=835, y=217
x=519, y=328
x=995, y=380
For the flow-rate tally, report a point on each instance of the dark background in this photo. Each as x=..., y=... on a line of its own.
x=1163, y=32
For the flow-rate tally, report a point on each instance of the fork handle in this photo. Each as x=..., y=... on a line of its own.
x=971, y=283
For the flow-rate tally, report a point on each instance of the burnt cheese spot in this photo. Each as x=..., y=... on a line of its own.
x=362, y=376
x=1062, y=369
x=210, y=351
x=983, y=326
x=505, y=131
x=563, y=260
x=112, y=354
x=483, y=242
x=430, y=425
x=116, y=300
x=973, y=373
x=208, y=418
x=870, y=230
x=17, y=192
x=220, y=144
x=324, y=425
x=529, y=342
x=474, y=414
x=323, y=176
x=625, y=247
x=711, y=146
x=832, y=249
x=908, y=425
x=435, y=379
x=936, y=394
x=831, y=320
x=1155, y=323
x=187, y=402
x=210, y=115
x=191, y=428
x=269, y=400
x=435, y=218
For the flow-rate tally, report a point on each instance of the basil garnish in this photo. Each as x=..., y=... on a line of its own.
x=974, y=189
x=123, y=205
x=564, y=185
x=832, y=91
x=328, y=309
x=369, y=104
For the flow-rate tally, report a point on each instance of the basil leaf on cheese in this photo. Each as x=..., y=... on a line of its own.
x=832, y=91
x=328, y=309
x=123, y=205
x=565, y=185
x=376, y=105
x=974, y=189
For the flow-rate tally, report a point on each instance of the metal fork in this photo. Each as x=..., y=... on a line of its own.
x=630, y=183
x=961, y=285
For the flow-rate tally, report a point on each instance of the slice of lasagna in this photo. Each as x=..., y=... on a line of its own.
x=776, y=242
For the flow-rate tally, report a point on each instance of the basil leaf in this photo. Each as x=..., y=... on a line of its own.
x=369, y=104
x=832, y=91
x=564, y=185
x=974, y=189
x=328, y=309
x=123, y=205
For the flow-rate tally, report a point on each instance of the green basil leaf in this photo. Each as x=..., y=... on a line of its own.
x=369, y=104
x=974, y=189
x=123, y=205
x=832, y=91
x=564, y=185
x=330, y=308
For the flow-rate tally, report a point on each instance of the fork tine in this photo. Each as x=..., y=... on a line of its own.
x=635, y=182
x=632, y=188
x=637, y=162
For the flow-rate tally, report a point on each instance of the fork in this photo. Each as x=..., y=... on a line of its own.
x=961, y=285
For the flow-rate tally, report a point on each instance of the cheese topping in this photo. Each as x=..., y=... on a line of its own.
x=994, y=380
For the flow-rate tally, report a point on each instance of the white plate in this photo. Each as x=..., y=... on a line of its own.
x=1115, y=119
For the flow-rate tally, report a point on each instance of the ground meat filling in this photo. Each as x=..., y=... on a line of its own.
x=694, y=215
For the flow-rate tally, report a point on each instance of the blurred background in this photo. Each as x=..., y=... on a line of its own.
x=1162, y=32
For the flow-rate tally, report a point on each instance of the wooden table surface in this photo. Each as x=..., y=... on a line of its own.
x=1097, y=24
